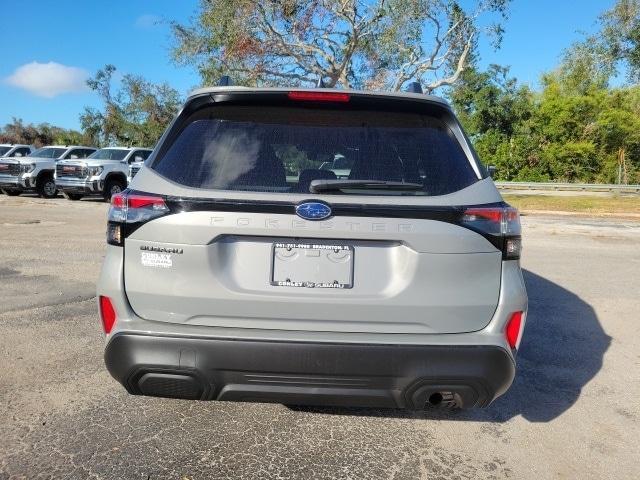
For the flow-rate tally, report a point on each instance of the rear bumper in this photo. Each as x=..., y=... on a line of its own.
x=342, y=374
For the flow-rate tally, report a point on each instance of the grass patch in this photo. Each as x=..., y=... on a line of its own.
x=582, y=204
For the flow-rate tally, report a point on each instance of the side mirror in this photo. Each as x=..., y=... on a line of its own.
x=492, y=171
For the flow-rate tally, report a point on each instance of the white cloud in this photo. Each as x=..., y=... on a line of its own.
x=147, y=21
x=48, y=79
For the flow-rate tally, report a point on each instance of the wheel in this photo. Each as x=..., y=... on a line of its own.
x=71, y=196
x=11, y=193
x=46, y=187
x=113, y=187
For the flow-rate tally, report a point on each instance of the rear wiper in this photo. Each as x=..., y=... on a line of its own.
x=318, y=186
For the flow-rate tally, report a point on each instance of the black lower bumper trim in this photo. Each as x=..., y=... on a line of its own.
x=342, y=374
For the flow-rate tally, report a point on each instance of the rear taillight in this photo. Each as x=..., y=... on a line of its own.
x=318, y=96
x=513, y=330
x=128, y=211
x=500, y=225
x=107, y=314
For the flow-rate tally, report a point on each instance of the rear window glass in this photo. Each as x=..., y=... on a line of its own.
x=281, y=149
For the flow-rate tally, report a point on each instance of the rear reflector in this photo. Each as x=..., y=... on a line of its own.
x=514, y=330
x=319, y=96
x=107, y=314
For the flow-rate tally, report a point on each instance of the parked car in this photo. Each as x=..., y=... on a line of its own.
x=102, y=173
x=35, y=172
x=134, y=168
x=15, y=150
x=254, y=275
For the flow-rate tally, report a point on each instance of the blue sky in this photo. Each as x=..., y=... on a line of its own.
x=79, y=37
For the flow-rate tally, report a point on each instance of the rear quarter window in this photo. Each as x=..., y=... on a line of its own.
x=283, y=149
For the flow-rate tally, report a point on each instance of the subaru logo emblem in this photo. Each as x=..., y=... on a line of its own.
x=313, y=210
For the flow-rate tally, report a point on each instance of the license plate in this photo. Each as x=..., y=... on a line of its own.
x=312, y=265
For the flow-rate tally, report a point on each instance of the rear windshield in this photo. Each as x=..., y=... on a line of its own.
x=282, y=149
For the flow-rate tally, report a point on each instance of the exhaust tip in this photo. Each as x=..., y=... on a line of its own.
x=425, y=394
x=441, y=400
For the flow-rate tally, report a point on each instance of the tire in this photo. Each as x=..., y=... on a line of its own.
x=46, y=187
x=71, y=196
x=111, y=187
x=11, y=193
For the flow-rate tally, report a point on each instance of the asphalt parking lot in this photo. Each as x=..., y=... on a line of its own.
x=573, y=411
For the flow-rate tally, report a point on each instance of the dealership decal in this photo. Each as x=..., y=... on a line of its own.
x=158, y=260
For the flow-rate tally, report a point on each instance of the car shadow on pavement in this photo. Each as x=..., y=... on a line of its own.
x=561, y=351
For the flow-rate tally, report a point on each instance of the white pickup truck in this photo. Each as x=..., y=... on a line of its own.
x=103, y=173
x=15, y=150
x=134, y=168
x=35, y=172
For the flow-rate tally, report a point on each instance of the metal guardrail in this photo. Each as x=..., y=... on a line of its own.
x=570, y=187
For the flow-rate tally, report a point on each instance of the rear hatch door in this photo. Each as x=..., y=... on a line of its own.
x=242, y=244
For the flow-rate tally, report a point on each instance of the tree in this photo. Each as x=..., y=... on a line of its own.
x=617, y=134
x=490, y=100
x=600, y=56
x=620, y=36
x=136, y=114
x=577, y=128
x=494, y=111
x=584, y=66
x=379, y=44
x=39, y=135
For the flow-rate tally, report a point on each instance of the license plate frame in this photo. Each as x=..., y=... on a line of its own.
x=338, y=259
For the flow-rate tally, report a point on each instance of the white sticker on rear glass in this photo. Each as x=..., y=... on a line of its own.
x=153, y=259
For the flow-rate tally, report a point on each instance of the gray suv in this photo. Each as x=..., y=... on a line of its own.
x=239, y=269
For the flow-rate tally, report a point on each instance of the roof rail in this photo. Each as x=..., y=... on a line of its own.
x=414, y=87
x=225, y=81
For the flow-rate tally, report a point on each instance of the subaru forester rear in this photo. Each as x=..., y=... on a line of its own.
x=239, y=269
